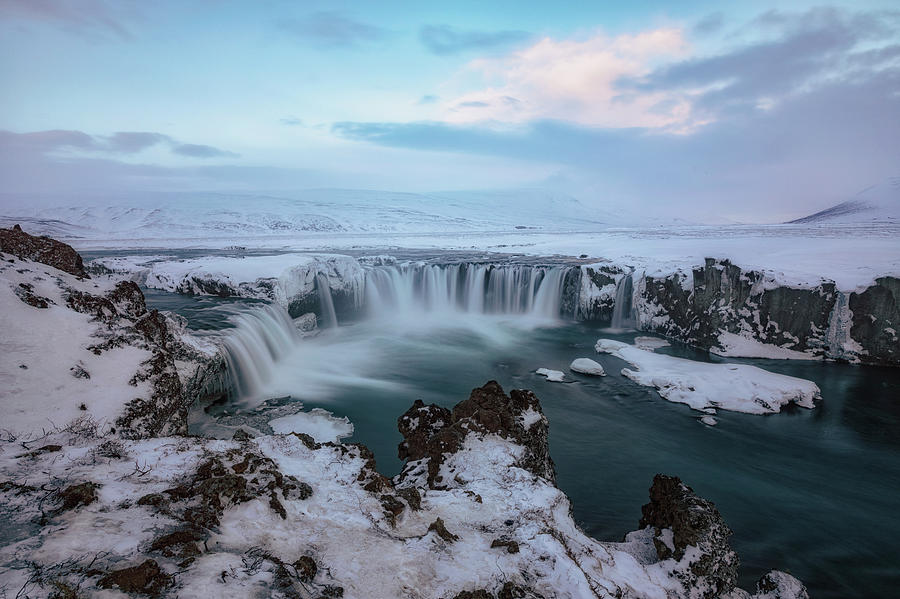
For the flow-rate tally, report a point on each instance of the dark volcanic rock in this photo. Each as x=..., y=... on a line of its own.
x=434, y=432
x=693, y=522
x=25, y=292
x=440, y=530
x=146, y=579
x=41, y=249
x=78, y=495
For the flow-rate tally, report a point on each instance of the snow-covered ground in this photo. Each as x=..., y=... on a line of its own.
x=48, y=375
x=707, y=387
x=850, y=251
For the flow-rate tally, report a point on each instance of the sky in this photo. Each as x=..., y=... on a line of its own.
x=707, y=110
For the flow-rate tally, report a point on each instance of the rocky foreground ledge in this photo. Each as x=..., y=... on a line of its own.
x=473, y=514
x=111, y=499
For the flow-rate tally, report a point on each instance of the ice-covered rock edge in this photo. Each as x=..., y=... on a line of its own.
x=717, y=306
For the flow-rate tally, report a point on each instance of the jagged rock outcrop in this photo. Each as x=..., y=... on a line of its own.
x=41, y=249
x=682, y=521
x=433, y=433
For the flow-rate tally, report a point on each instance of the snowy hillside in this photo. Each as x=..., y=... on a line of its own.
x=878, y=203
x=207, y=215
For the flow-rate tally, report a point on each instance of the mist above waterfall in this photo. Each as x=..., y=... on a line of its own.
x=407, y=309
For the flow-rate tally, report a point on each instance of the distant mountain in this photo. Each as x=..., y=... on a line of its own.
x=216, y=215
x=876, y=204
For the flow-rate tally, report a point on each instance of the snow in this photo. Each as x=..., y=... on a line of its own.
x=650, y=343
x=738, y=346
x=554, y=376
x=39, y=348
x=878, y=203
x=277, y=277
x=529, y=418
x=321, y=425
x=707, y=387
x=587, y=366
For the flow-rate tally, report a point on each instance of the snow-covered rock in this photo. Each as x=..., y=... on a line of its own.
x=554, y=376
x=475, y=510
x=75, y=349
x=291, y=280
x=587, y=366
x=707, y=387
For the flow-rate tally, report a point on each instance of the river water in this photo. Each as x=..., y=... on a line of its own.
x=812, y=492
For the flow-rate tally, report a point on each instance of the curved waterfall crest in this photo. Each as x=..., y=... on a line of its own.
x=470, y=288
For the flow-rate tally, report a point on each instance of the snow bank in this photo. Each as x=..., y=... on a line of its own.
x=587, y=366
x=650, y=343
x=280, y=278
x=321, y=425
x=707, y=387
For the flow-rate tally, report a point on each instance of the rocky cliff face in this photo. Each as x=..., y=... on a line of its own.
x=876, y=321
x=721, y=307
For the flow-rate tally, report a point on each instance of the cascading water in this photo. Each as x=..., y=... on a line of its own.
x=623, y=317
x=472, y=288
x=261, y=338
x=329, y=316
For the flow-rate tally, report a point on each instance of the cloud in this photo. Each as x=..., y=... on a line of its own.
x=129, y=142
x=575, y=80
x=67, y=144
x=89, y=17
x=443, y=39
x=331, y=28
x=802, y=50
x=200, y=151
x=709, y=24
x=291, y=121
x=428, y=99
x=811, y=150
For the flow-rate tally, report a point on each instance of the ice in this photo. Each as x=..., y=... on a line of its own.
x=587, y=366
x=705, y=386
x=321, y=425
x=650, y=343
x=554, y=376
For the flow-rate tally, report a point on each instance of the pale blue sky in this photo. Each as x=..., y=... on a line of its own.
x=676, y=106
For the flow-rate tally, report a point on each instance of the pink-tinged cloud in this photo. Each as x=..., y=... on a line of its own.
x=576, y=81
x=85, y=16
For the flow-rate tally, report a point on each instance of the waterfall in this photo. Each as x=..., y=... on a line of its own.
x=325, y=301
x=622, y=317
x=471, y=288
x=261, y=337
